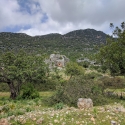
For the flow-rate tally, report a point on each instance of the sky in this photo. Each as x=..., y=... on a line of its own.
x=39, y=17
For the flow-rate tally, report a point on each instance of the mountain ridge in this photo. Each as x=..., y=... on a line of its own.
x=52, y=33
x=71, y=44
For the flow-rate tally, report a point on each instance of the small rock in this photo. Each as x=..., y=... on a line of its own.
x=34, y=119
x=39, y=121
x=92, y=119
x=120, y=109
x=113, y=122
x=77, y=122
x=4, y=122
x=56, y=121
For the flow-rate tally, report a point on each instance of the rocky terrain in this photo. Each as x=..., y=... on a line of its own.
x=100, y=115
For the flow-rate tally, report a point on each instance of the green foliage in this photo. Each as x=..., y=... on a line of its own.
x=85, y=64
x=73, y=69
x=95, y=111
x=4, y=87
x=112, y=55
x=6, y=108
x=112, y=82
x=21, y=68
x=48, y=85
x=59, y=106
x=28, y=92
x=78, y=87
x=93, y=75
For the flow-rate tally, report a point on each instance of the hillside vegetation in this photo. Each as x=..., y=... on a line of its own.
x=72, y=44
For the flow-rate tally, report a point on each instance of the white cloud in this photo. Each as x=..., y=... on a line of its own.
x=12, y=15
x=62, y=15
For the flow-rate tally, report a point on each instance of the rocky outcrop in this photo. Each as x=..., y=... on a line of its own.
x=57, y=60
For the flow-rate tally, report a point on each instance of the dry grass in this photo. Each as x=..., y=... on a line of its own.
x=4, y=94
x=42, y=94
x=46, y=93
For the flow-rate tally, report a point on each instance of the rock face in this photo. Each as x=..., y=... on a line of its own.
x=57, y=60
x=84, y=103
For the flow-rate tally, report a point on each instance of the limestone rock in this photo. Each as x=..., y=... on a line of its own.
x=57, y=60
x=84, y=103
x=113, y=122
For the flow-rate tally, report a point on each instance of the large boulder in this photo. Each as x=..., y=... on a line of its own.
x=84, y=103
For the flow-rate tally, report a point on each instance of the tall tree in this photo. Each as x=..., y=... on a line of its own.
x=73, y=69
x=112, y=55
x=17, y=69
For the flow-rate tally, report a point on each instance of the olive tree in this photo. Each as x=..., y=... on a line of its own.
x=21, y=68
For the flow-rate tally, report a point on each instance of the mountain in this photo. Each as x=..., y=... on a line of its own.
x=71, y=44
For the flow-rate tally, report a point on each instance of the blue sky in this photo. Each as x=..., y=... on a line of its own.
x=38, y=17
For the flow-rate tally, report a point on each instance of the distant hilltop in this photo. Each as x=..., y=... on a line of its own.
x=78, y=41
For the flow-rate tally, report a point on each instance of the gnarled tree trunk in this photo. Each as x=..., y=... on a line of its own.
x=13, y=93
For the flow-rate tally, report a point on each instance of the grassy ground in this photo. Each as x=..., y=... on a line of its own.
x=35, y=112
x=42, y=94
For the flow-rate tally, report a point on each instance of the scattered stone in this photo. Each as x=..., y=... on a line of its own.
x=34, y=119
x=113, y=122
x=84, y=103
x=92, y=119
x=56, y=121
x=11, y=117
x=50, y=124
x=120, y=109
x=4, y=121
x=39, y=121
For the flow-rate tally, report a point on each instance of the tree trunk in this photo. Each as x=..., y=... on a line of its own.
x=13, y=93
x=18, y=87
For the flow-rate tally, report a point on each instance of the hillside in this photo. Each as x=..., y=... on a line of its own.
x=73, y=43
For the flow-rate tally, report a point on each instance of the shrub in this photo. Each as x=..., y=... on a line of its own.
x=48, y=85
x=92, y=75
x=96, y=67
x=6, y=108
x=77, y=87
x=28, y=92
x=85, y=64
x=112, y=82
x=59, y=106
x=4, y=87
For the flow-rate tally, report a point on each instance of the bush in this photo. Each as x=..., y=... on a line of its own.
x=77, y=87
x=48, y=85
x=84, y=64
x=92, y=75
x=28, y=92
x=4, y=87
x=59, y=106
x=112, y=82
x=96, y=67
